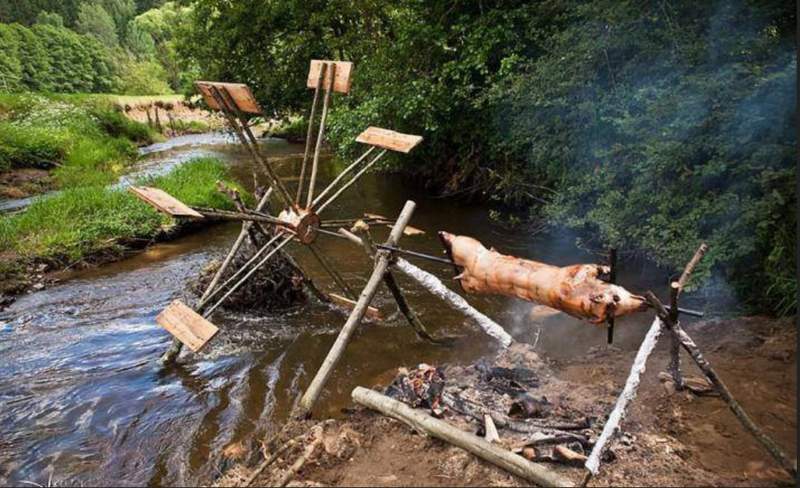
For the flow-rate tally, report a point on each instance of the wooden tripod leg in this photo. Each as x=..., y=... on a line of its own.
x=674, y=367
x=361, y=230
x=335, y=354
x=689, y=345
x=402, y=305
x=321, y=137
x=334, y=274
x=310, y=134
x=676, y=289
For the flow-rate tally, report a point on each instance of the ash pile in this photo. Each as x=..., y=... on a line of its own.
x=513, y=401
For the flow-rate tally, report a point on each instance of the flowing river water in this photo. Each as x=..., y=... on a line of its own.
x=83, y=400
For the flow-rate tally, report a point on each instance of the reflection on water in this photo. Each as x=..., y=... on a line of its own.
x=82, y=399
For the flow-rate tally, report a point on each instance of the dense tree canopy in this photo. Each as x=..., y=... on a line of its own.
x=127, y=58
x=55, y=59
x=94, y=19
x=654, y=125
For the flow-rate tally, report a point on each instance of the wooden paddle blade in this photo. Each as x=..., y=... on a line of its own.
x=372, y=312
x=240, y=93
x=408, y=231
x=391, y=140
x=341, y=82
x=187, y=326
x=164, y=202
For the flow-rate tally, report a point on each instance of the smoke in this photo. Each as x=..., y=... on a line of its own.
x=663, y=125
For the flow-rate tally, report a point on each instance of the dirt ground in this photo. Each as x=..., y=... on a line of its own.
x=175, y=110
x=24, y=182
x=668, y=438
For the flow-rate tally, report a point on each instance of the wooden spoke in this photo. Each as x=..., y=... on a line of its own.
x=341, y=177
x=258, y=266
x=351, y=182
x=310, y=134
x=320, y=137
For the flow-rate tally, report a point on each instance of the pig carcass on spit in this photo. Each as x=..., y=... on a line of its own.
x=575, y=290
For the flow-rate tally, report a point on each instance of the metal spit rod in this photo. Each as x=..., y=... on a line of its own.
x=686, y=311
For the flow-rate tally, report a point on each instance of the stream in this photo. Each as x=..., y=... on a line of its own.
x=83, y=400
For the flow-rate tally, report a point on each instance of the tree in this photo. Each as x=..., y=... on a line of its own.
x=93, y=19
x=165, y=25
x=50, y=18
x=139, y=42
x=25, y=12
x=122, y=11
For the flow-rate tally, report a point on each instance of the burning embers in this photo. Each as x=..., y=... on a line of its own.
x=576, y=290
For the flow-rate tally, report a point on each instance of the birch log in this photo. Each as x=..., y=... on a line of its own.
x=422, y=422
x=627, y=396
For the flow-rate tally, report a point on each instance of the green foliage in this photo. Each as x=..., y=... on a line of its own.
x=140, y=77
x=26, y=12
x=165, y=26
x=664, y=129
x=78, y=223
x=50, y=18
x=87, y=141
x=121, y=12
x=139, y=42
x=53, y=59
x=95, y=20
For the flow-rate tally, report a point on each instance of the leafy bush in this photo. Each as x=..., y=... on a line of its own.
x=29, y=147
x=116, y=124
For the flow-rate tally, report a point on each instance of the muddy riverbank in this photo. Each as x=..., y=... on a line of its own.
x=669, y=439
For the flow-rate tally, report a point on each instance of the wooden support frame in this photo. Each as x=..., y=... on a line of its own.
x=361, y=231
x=314, y=390
x=711, y=375
x=667, y=321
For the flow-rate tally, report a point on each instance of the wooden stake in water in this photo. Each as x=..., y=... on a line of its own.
x=337, y=351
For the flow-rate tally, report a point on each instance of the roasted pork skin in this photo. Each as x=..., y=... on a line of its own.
x=576, y=290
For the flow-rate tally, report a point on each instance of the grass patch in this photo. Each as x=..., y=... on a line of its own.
x=87, y=140
x=83, y=222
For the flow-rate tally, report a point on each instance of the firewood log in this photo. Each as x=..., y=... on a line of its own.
x=576, y=290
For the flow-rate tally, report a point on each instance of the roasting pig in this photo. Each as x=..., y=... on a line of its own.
x=576, y=290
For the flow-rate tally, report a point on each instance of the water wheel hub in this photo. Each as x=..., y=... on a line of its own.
x=303, y=224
